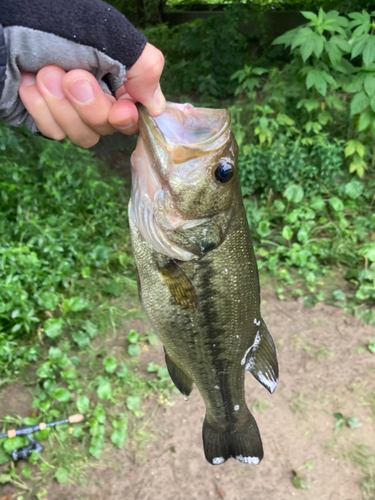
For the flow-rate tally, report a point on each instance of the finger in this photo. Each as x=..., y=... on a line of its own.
x=143, y=80
x=49, y=82
x=91, y=103
x=124, y=116
x=38, y=109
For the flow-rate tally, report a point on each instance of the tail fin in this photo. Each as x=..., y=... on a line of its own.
x=242, y=443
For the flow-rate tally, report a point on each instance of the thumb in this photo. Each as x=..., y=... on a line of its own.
x=143, y=80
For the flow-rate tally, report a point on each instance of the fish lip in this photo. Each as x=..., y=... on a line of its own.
x=151, y=127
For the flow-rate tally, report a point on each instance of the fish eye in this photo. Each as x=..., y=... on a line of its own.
x=224, y=172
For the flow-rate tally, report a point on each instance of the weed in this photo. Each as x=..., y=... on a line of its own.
x=364, y=458
x=298, y=404
x=260, y=406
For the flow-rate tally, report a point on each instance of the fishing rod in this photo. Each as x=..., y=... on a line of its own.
x=25, y=453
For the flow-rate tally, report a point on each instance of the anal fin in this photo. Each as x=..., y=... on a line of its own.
x=183, y=383
x=262, y=362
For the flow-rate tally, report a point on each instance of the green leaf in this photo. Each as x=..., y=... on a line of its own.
x=26, y=472
x=369, y=52
x=316, y=79
x=303, y=233
x=15, y=443
x=62, y=395
x=49, y=300
x=53, y=327
x=317, y=203
x=372, y=104
x=310, y=15
x=369, y=84
x=294, y=193
x=371, y=346
x=340, y=420
x=97, y=446
x=113, y=288
x=359, y=45
x=5, y=478
x=299, y=484
x=336, y=204
x=110, y=364
x=83, y=404
x=353, y=423
x=366, y=118
x=75, y=304
x=359, y=102
x=351, y=148
x=90, y=328
x=133, y=403
x=100, y=414
x=62, y=475
x=307, y=49
x=264, y=228
x=339, y=295
x=287, y=233
x=81, y=338
x=324, y=117
x=78, y=432
x=309, y=465
x=118, y=436
x=86, y=272
x=134, y=350
x=4, y=457
x=133, y=337
x=104, y=389
x=354, y=189
x=152, y=339
x=54, y=353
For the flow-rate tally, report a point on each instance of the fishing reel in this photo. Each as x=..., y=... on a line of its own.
x=26, y=452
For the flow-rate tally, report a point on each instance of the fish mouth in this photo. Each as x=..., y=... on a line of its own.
x=166, y=142
x=185, y=125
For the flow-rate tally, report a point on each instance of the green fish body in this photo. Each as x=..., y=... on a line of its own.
x=197, y=273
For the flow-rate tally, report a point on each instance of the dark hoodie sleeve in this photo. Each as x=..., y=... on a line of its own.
x=85, y=34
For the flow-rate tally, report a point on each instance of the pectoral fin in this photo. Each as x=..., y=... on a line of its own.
x=183, y=383
x=262, y=362
x=179, y=285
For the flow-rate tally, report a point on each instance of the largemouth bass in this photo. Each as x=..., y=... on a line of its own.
x=197, y=274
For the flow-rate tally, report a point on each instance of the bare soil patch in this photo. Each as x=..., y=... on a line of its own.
x=321, y=373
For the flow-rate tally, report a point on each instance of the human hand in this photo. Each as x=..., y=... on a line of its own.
x=72, y=104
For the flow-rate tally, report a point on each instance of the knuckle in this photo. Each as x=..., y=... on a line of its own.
x=57, y=136
x=156, y=67
x=88, y=142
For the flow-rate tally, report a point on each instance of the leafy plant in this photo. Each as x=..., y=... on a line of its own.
x=338, y=67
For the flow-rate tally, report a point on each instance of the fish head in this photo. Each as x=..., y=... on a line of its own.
x=184, y=179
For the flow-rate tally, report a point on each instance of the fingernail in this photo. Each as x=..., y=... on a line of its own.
x=53, y=83
x=157, y=105
x=82, y=90
x=125, y=127
x=28, y=79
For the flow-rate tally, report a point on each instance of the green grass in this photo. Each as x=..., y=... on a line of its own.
x=67, y=288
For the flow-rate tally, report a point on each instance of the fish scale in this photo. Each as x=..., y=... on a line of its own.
x=205, y=310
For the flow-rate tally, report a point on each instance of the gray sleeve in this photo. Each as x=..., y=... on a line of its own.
x=72, y=34
x=61, y=52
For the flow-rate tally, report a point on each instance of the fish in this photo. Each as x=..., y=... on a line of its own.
x=197, y=274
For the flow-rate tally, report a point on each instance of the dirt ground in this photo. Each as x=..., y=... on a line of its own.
x=321, y=373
